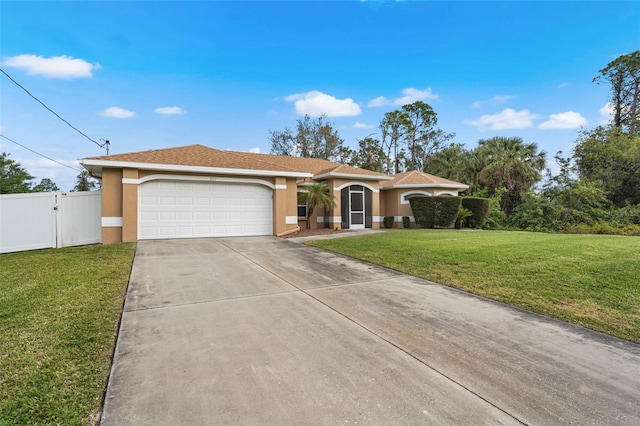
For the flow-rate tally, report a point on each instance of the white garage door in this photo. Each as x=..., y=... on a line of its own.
x=178, y=209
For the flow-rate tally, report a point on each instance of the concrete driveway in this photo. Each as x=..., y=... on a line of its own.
x=265, y=331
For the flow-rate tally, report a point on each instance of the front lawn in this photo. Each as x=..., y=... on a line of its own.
x=59, y=311
x=591, y=280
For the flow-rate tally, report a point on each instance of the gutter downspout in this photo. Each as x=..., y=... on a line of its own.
x=290, y=231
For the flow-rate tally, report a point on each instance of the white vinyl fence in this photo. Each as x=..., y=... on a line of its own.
x=49, y=220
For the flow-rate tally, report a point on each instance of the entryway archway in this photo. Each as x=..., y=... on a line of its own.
x=356, y=205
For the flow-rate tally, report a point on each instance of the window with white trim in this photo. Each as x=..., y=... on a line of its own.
x=407, y=195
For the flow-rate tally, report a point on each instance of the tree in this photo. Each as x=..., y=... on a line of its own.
x=282, y=142
x=84, y=182
x=421, y=136
x=14, y=179
x=452, y=162
x=511, y=164
x=313, y=139
x=392, y=127
x=314, y=196
x=623, y=73
x=370, y=155
x=412, y=127
x=607, y=155
x=46, y=185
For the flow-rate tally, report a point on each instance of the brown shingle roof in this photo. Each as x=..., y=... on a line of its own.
x=417, y=178
x=202, y=156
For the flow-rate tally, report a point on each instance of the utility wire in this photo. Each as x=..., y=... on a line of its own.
x=41, y=155
x=53, y=112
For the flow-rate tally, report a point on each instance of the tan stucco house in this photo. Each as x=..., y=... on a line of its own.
x=197, y=191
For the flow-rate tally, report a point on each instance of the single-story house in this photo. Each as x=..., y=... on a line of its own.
x=197, y=191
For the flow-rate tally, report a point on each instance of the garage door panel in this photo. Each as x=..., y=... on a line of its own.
x=144, y=216
x=166, y=201
x=168, y=231
x=201, y=216
x=185, y=230
x=148, y=201
x=203, y=209
x=164, y=186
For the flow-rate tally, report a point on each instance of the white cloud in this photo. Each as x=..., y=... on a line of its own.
x=564, y=120
x=379, y=102
x=606, y=113
x=411, y=95
x=117, y=112
x=496, y=100
x=316, y=103
x=506, y=119
x=255, y=150
x=359, y=125
x=174, y=110
x=64, y=67
x=563, y=85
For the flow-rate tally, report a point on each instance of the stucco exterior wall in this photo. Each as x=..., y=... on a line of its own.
x=130, y=206
x=111, y=206
x=120, y=201
x=394, y=206
x=120, y=189
x=336, y=185
x=285, y=205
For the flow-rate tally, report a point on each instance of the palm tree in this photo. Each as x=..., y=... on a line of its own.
x=315, y=195
x=451, y=163
x=511, y=164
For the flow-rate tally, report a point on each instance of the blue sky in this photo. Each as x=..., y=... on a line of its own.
x=149, y=75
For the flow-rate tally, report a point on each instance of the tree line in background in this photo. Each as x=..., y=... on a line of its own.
x=597, y=188
x=14, y=179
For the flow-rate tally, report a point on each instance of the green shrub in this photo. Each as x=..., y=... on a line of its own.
x=480, y=209
x=603, y=228
x=406, y=222
x=538, y=213
x=388, y=222
x=497, y=218
x=435, y=211
x=628, y=215
x=463, y=215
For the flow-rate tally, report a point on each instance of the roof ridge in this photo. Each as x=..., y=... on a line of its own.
x=254, y=155
x=151, y=150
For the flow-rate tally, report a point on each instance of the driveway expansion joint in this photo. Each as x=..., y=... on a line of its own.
x=373, y=333
x=201, y=302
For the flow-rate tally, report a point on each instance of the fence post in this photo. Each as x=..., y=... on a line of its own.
x=58, y=217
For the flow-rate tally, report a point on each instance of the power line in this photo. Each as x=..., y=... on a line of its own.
x=56, y=114
x=41, y=155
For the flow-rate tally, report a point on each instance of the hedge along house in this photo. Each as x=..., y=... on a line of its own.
x=397, y=192
x=196, y=191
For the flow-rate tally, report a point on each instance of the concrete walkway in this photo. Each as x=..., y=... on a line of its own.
x=265, y=331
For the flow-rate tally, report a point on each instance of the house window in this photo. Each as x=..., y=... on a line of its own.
x=302, y=210
x=404, y=198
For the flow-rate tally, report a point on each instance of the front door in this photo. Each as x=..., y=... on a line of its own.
x=356, y=209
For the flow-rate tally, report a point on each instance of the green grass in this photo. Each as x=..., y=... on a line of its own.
x=59, y=310
x=591, y=280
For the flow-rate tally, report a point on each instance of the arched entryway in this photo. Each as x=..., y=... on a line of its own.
x=356, y=205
